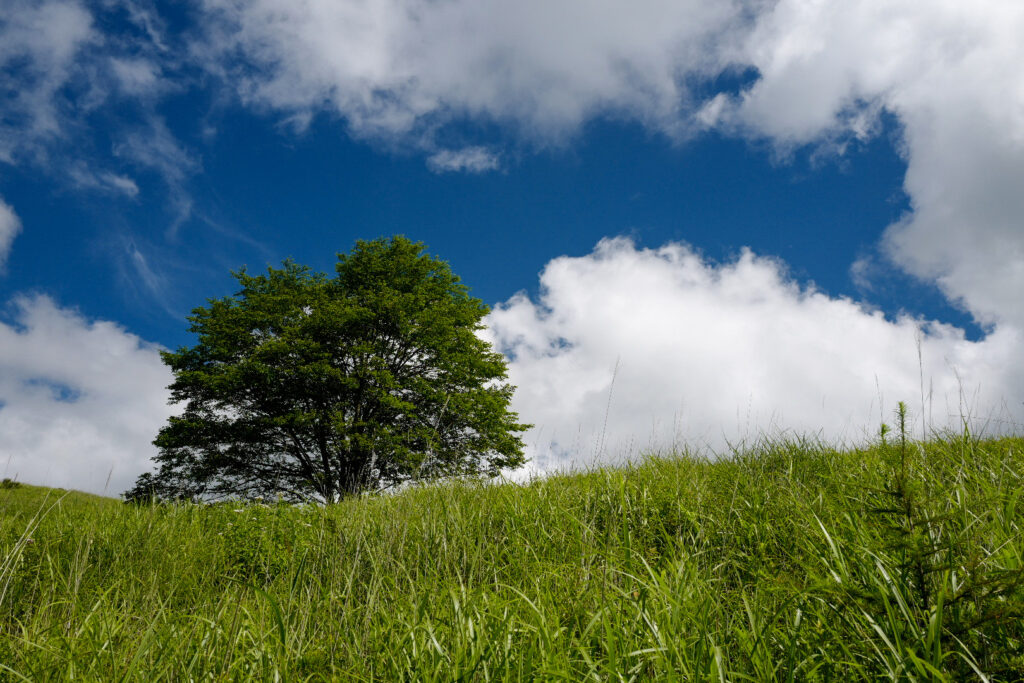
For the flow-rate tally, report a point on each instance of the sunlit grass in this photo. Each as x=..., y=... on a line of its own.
x=788, y=561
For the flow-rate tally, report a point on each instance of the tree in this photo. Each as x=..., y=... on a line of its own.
x=311, y=388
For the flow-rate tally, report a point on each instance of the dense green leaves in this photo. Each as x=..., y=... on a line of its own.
x=310, y=387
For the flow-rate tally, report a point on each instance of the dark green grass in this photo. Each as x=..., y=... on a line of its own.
x=788, y=561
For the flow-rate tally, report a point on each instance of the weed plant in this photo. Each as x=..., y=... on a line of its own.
x=789, y=561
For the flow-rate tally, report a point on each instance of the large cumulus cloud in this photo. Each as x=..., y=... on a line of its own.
x=629, y=350
x=949, y=72
x=80, y=400
x=401, y=68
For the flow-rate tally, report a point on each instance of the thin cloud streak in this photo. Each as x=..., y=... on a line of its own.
x=468, y=159
x=39, y=43
x=68, y=79
x=10, y=226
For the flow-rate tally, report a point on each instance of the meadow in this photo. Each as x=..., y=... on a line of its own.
x=784, y=561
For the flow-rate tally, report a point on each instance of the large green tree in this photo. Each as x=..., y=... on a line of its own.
x=311, y=387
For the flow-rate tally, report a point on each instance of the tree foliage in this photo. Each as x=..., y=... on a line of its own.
x=310, y=387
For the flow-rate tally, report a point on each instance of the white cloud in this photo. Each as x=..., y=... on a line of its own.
x=83, y=176
x=950, y=71
x=154, y=147
x=400, y=71
x=468, y=159
x=403, y=67
x=824, y=75
x=709, y=354
x=705, y=351
x=10, y=226
x=136, y=76
x=38, y=46
x=147, y=279
x=63, y=75
x=80, y=401
x=397, y=70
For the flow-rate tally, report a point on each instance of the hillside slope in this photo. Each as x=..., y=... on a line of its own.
x=789, y=561
x=19, y=500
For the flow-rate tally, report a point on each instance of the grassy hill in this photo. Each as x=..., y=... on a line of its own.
x=789, y=561
x=23, y=501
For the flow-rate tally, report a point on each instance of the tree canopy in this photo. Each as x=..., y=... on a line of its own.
x=312, y=387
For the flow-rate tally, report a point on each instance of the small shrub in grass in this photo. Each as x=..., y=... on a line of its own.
x=260, y=540
x=926, y=574
x=9, y=483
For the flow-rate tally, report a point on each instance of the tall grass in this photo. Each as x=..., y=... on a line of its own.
x=790, y=561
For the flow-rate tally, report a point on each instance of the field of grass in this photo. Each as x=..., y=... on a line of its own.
x=788, y=561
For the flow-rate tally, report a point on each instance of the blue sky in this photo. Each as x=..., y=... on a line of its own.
x=767, y=216
x=259, y=194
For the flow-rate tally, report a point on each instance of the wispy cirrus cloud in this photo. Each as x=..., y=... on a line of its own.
x=467, y=159
x=74, y=88
x=84, y=177
x=152, y=146
x=39, y=43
